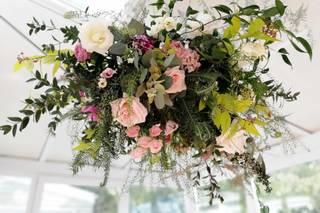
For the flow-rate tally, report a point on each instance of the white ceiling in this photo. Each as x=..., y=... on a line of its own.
x=33, y=142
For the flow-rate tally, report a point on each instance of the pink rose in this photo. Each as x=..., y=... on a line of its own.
x=108, y=73
x=128, y=111
x=80, y=53
x=178, y=80
x=133, y=131
x=144, y=142
x=155, y=146
x=234, y=144
x=92, y=112
x=171, y=126
x=155, y=130
x=138, y=152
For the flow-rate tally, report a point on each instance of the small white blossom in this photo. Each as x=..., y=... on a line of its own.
x=162, y=23
x=130, y=60
x=102, y=83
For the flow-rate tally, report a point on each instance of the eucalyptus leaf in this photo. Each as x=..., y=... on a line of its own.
x=118, y=49
x=137, y=27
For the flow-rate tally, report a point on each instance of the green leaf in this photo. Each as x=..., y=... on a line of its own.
x=273, y=11
x=143, y=75
x=191, y=11
x=255, y=31
x=218, y=54
x=137, y=27
x=249, y=127
x=89, y=133
x=82, y=147
x=6, y=129
x=14, y=130
x=118, y=49
x=242, y=106
x=202, y=105
x=15, y=119
x=158, y=4
x=306, y=45
x=24, y=123
x=146, y=58
x=167, y=82
x=280, y=7
x=222, y=120
x=283, y=51
x=159, y=100
x=56, y=67
x=286, y=59
x=223, y=8
x=172, y=61
x=233, y=29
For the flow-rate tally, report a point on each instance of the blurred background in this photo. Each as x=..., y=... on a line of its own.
x=35, y=175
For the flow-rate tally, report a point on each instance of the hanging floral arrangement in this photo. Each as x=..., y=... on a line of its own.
x=196, y=85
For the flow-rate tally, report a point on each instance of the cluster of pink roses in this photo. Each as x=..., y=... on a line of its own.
x=107, y=73
x=189, y=58
x=151, y=143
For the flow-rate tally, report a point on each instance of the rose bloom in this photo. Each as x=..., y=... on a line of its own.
x=155, y=130
x=107, y=73
x=95, y=36
x=80, y=53
x=138, y=152
x=144, y=141
x=155, y=146
x=142, y=42
x=235, y=144
x=178, y=80
x=133, y=131
x=102, y=83
x=254, y=50
x=162, y=23
x=171, y=127
x=128, y=111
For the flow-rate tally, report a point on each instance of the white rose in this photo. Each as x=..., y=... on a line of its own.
x=161, y=23
x=95, y=36
x=254, y=50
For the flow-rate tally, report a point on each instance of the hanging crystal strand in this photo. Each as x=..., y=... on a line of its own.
x=254, y=193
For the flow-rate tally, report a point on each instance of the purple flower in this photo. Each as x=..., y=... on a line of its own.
x=92, y=112
x=142, y=42
x=81, y=53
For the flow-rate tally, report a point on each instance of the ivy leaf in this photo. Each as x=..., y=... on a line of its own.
x=191, y=11
x=233, y=29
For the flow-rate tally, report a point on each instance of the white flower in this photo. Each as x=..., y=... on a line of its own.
x=254, y=50
x=102, y=83
x=162, y=23
x=95, y=36
x=130, y=60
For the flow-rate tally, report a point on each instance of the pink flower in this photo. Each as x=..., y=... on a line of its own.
x=108, y=73
x=171, y=126
x=144, y=142
x=82, y=93
x=235, y=144
x=128, y=111
x=133, y=131
x=189, y=58
x=155, y=130
x=138, y=152
x=142, y=42
x=81, y=53
x=155, y=146
x=92, y=112
x=178, y=80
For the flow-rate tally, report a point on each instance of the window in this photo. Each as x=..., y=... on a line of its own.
x=156, y=200
x=62, y=198
x=295, y=190
x=14, y=194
